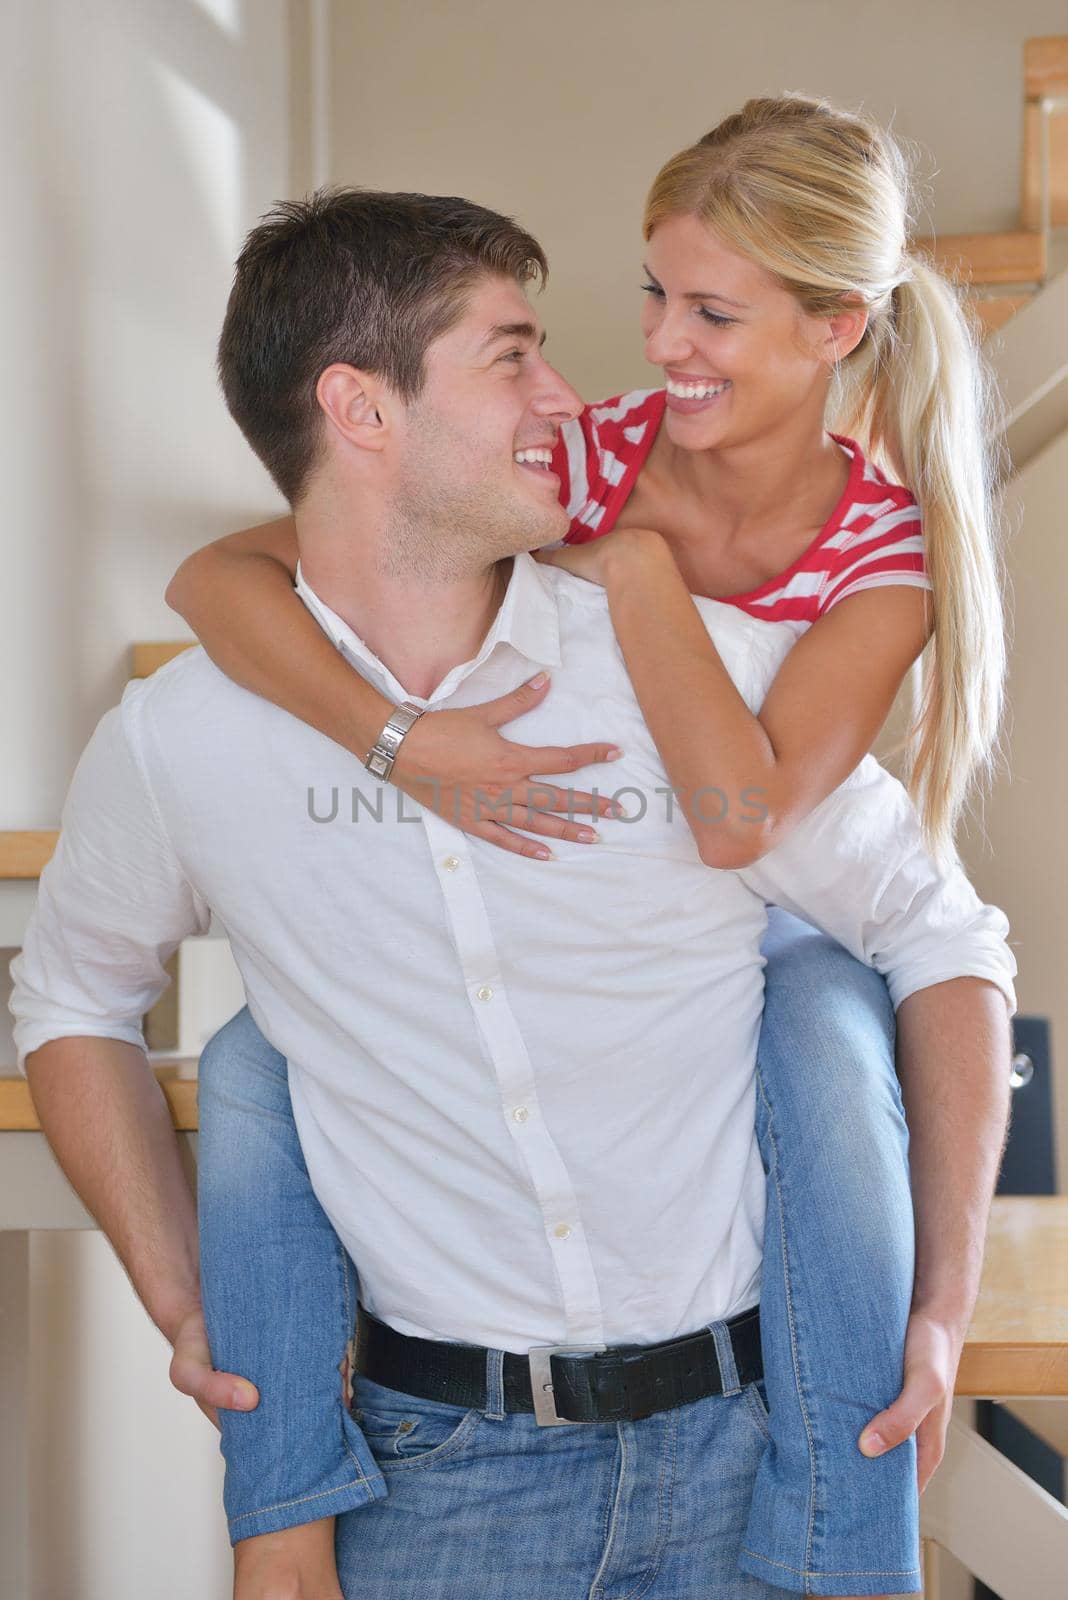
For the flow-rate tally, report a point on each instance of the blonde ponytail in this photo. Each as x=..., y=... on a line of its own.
x=924, y=406
x=820, y=198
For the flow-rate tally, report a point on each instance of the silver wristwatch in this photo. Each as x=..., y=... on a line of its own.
x=383, y=752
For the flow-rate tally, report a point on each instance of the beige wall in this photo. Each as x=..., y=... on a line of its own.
x=141, y=139
x=561, y=113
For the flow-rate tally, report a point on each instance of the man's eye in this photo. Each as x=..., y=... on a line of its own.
x=513, y=355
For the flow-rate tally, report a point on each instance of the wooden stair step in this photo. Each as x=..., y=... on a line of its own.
x=993, y=311
x=1045, y=77
x=987, y=258
x=1046, y=67
x=24, y=853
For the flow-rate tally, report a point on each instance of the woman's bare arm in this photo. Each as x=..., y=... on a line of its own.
x=821, y=715
x=237, y=595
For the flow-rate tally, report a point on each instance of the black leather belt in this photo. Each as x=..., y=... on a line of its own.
x=561, y=1383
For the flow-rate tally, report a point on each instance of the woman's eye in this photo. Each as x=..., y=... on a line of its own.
x=713, y=317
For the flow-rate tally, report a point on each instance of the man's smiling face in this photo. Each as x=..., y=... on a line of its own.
x=474, y=465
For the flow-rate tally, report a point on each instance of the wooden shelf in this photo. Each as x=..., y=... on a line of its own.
x=1018, y=1340
x=18, y=1116
x=25, y=854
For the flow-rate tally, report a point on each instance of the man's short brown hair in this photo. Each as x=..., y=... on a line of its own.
x=356, y=276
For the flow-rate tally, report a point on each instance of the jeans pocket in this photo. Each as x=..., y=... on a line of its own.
x=406, y=1430
x=756, y=1398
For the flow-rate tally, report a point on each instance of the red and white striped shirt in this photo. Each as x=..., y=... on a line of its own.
x=872, y=538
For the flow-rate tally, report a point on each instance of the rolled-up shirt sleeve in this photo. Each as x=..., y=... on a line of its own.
x=113, y=904
x=857, y=867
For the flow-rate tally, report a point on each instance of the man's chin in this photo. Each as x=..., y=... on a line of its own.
x=548, y=531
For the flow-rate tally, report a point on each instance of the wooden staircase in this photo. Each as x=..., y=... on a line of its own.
x=1002, y=272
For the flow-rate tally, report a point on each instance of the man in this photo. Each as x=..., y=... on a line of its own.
x=467, y=1036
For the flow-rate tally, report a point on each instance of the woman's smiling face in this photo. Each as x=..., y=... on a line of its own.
x=738, y=353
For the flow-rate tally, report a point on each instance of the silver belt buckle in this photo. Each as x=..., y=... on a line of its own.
x=541, y=1381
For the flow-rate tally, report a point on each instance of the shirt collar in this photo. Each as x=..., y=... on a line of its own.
x=528, y=620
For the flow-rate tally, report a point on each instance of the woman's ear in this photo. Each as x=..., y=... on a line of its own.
x=844, y=333
x=350, y=400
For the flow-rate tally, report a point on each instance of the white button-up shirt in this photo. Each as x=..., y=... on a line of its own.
x=525, y=1090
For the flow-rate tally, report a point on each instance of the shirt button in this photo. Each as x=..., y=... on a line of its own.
x=562, y=1231
x=485, y=993
x=520, y=1114
x=451, y=863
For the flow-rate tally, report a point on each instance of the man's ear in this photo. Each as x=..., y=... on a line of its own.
x=351, y=401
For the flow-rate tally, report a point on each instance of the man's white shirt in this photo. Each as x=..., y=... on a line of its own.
x=524, y=1090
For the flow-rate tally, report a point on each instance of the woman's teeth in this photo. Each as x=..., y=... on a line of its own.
x=696, y=391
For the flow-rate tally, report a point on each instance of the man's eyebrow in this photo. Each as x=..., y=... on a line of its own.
x=512, y=330
x=699, y=294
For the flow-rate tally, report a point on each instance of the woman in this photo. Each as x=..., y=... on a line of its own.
x=779, y=292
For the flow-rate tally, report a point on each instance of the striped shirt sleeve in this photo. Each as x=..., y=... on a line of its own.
x=881, y=549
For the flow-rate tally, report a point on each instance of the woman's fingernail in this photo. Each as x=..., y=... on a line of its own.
x=542, y=677
x=588, y=835
x=614, y=754
x=242, y=1395
x=873, y=1444
x=544, y=855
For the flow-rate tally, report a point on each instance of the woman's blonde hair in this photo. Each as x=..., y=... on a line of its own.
x=820, y=198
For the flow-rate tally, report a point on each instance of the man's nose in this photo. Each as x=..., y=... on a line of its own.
x=556, y=398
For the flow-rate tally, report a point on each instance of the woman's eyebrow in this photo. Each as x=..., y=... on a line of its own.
x=701, y=294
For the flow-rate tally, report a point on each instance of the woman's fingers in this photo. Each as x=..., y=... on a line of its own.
x=562, y=758
x=516, y=701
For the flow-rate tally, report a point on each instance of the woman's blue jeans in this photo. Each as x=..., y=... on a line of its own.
x=280, y=1297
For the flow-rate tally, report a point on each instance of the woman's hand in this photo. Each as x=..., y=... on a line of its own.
x=294, y=1564
x=460, y=767
x=604, y=560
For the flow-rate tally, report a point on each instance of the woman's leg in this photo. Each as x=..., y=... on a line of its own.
x=837, y=1276
x=279, y=1295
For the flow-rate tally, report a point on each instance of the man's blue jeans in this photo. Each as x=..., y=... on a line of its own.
x=768, y=1482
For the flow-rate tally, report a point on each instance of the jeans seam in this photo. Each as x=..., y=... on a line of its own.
x=792, y=1326
x=305, y=1499
x=606, y=1554
x=644, y=1587
x=350, y=1319
x=804, y=1572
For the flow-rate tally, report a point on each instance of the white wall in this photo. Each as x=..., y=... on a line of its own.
x=140, y=139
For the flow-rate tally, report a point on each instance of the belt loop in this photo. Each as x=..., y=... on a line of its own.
x=495, y=1385
x=728, y=1367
